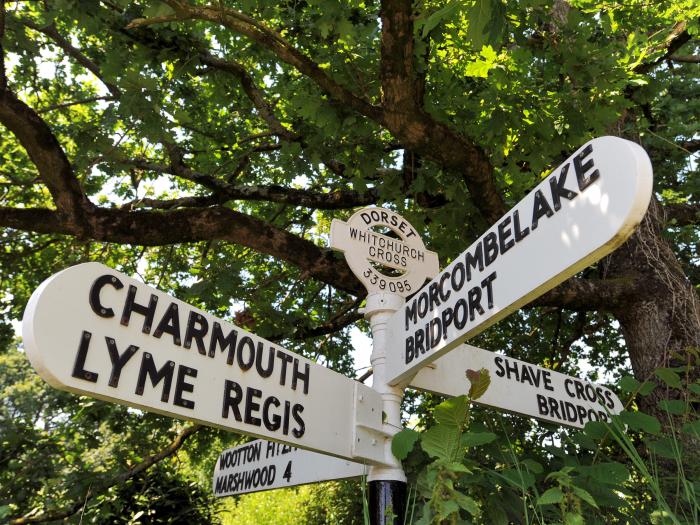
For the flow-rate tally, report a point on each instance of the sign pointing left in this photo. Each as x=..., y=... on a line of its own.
x=94, y=331
x=265, y=465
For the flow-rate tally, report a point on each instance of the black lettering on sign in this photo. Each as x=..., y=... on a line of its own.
x=131, y=306
x=303, y=376
x=246, y=343
x=170, y=324
x=301, y=427
x=165, y=374
x=96, y=288
x=265, y=371
x=285, y=359
x=582, y=168
x=520, y=234
x=472, y=261
x=223, y=341
x=505, y=243
x=540, y=208
x=233, y=395
x=252, y=406
x=118, y=360
x=288, y=472
x=182, y=386
x=558, y=189
x=490, y=248
x=79, y=371
x=197, y=328
x=273, y=421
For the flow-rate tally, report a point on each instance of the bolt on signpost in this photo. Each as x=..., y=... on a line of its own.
x=92, y=330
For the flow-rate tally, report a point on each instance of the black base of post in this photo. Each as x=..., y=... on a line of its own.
x=387, y=499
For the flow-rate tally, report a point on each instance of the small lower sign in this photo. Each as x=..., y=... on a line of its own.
x=266, y=465
x=520, y=387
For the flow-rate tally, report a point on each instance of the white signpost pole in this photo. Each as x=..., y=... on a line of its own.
x=265, y=465
x=520, y=387
x=392, y=264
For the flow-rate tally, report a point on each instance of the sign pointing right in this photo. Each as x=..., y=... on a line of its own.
x=520, y=387
x=579, y=213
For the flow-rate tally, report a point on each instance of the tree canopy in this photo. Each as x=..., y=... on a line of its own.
x=206, y=146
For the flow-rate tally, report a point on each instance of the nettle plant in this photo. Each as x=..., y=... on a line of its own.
x=474, y=466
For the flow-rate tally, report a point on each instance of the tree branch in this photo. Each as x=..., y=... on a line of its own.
x=590, y=294
x=682, y=214
x=270, y=40
x=691, y=146
x=73, y=508
x=225, y=191
x=676, y=38
x=400, y=91
x=3, y=78
x=48, y=156
x=690, y=59
x=64, y=105
x=255, y=94
x=77, y=55
x=158, y=228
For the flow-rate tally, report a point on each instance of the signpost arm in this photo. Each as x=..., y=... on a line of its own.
x=387, y=484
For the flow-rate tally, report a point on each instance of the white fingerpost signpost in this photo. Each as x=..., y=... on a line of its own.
x=520, y=387
x=265, y=465
x=579, y=213
x=92, y=330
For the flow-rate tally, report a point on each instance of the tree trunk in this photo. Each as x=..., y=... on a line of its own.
x=662, y=321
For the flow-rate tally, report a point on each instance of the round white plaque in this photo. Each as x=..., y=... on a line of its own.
x=384, y=263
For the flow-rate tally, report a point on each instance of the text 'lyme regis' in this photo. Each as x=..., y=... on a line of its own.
x=191, y=330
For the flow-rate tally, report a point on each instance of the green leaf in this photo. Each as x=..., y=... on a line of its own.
x=693, y=428
x=452, y=412
x=612, y=473
x=159, y=9
x=665, y=447
x=629, y=384
x=551, y=496
x=441, y=441
x=585, y=496
x=676, y=407
x=475, y=439
x=596, y=429
x=641, y=422
x=571, y=518
x=403, y=443
x=486, y=22
x=647, y=388
x=521, y=479
x=532, y=466
x=438, y=16
x=669, y=377
x=467, y=503
x=480, y=382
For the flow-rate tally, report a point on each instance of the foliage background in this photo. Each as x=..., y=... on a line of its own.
x=198, y=156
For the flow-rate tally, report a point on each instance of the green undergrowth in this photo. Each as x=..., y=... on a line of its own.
x=641, y=467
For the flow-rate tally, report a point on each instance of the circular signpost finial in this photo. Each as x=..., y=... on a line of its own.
x=398, y=264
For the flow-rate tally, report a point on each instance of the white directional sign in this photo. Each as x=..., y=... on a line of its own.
x=580, y=212
x=94, y=331
x=406, y=261
x=265, y=465
x=520, y=387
